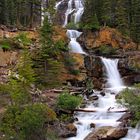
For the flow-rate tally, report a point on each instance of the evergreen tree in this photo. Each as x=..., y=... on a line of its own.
x=48, y=63
x=121, y=15
x=135, y=24
x=90, y=20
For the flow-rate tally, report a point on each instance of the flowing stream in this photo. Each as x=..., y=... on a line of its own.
x=106, y=105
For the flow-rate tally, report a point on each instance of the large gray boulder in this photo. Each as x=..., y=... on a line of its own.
x=107, y=133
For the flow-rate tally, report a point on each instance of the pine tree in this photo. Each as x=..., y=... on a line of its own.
x=121, y=16
x=90, y=19
x=135, y=24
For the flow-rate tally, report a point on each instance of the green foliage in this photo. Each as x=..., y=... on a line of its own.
x=65, y=117
x=75, y=72
x=27, y=122
x=25, y=69
x=19, y=84
x=70, y=63
x=89, y=85
x=132, y=101
x=5, y=44
x=23, y=39
x=92, y=25
x=105, y=50
x=137, y=85
x=68, y=102
x=49, y=64
x=72, y=25
x=51, y=135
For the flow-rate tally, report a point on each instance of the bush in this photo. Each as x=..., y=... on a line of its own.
x=130, y=99
x=75, y=72
x=27, y=122
x=68, y=102
x=105, y=50
x=72, y=25
x=22, y=38
x=5, y=44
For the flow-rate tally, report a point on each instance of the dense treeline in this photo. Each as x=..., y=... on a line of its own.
x=20, y=12
x=121, y=14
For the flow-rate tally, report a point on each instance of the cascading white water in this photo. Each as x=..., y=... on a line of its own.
x=77, y=11
x=57, y=4
x=133, y=134
x=74, y=46
x=101, y=117
x=68, y=12
x=113, y=77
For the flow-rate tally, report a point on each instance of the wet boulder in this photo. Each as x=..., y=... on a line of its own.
x=92, y=125
x=94, y=97
x=126, y=117
x=66, y=131
x=102, y=93
x=107, y=133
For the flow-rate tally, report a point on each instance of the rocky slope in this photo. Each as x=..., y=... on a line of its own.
x=105, y=42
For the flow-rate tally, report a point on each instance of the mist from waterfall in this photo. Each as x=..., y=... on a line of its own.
x=113, y=76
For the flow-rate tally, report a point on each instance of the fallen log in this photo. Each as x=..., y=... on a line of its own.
x=115, y=111
x=84, y=110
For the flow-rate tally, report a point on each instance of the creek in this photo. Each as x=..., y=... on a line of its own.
x=108, y=111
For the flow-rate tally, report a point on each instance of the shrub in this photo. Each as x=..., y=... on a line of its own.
x=75, y=72
x=27, y=122
x=5, y=44
x=69, y=61
x=72, y=25
x=68, y=102
x=105, y=50
x=22, y=38
x=131, y=100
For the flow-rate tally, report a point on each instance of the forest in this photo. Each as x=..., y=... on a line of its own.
x=69, y=69
x=120, y=14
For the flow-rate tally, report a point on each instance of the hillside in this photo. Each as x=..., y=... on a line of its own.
x=66, y=67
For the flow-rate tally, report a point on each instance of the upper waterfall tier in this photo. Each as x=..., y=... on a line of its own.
x=113, y=76
x=73, y=34
x=74, y=46
x=77, y=11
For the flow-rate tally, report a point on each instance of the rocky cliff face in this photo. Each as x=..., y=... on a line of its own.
x=105, y=42
x=110, y=43
x=106, y=36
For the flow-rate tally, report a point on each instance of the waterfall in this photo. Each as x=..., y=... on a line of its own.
x=74, y=46
x=113, y=77
x=68, y=12
x=77, y=11
x=133, y=133
x=58, y=4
